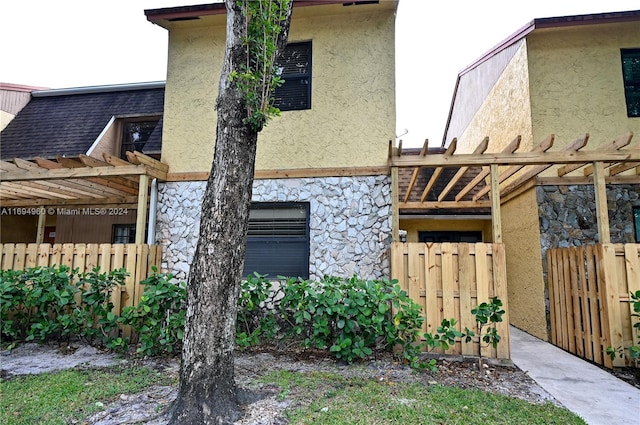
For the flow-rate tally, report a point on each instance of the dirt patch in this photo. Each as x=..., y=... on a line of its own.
x=148, y=407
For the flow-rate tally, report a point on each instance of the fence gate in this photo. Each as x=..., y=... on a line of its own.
x=589, y=299
x=449, y=279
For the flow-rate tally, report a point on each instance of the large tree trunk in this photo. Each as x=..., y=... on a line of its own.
x=208, y=393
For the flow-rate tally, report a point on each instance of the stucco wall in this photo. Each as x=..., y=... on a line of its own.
x=576, y=82
x=353, y=95
x=525, y=284
x=505, y=113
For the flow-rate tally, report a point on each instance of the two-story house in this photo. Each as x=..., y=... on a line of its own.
x=321, y=196
x=565, y=76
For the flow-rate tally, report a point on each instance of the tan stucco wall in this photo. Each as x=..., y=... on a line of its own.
x=576, y=82
x=525, y=282
x=353, y=95
x=413, y=226
x=505, y=114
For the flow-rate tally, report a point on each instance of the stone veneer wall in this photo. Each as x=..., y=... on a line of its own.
x=349, y=222
x=567, y=216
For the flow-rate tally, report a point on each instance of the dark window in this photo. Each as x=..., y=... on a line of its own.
x=124, y=233
x=631, y=76
x=135, y=135
x=636, y=221
x=452, y=236
x=278, y=240
x=295, y=70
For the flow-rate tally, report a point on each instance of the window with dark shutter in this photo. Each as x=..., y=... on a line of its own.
x=295, y=69
x=278, y=240
x=631, y=76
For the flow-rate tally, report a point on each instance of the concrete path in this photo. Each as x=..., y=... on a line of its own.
x=591, y=393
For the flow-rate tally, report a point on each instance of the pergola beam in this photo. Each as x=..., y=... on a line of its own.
x=523, y=158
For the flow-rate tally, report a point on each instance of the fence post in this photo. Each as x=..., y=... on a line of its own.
x=612, y=323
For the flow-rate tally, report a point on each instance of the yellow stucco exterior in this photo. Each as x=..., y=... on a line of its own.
x=576, y=84
x=352, y=117
x=565, y=81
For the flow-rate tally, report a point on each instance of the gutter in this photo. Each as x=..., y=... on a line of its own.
x=99, y=89
x=153, y=201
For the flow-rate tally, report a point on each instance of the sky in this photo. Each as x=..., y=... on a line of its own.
x=77, y=43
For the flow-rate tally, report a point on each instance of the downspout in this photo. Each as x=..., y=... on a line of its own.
x=153, y=199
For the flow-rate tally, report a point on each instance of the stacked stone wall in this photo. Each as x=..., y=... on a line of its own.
x=568, y=216
x=349, y=222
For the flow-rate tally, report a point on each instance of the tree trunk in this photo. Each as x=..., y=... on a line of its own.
x=208, y=393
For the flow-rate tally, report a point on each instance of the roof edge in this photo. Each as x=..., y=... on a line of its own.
x=556, y=22
x=99, y=89
x=179, y=13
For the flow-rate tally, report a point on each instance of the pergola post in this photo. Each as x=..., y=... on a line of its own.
x=42, y=218
x=602, y=212
x=496, y=218
x=143, y=197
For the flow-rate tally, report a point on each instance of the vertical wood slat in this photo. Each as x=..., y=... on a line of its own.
x=500, y=290
x=32, y=256
x=482, y=282
x=433, y=314
x=7, y=256
x=611, y=299
x=571, y=319
x=466, y=278
x=20, y=256
x=632, y=266
x=594, y=305
x=448, y=282
x=551, y=288
x=79, y=262
x=584, y=304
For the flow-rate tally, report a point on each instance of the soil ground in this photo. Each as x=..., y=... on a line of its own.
x=148, y=407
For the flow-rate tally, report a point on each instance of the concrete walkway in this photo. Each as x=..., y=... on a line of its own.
x=591, y=393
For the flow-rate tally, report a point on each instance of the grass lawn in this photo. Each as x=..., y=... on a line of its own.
x=316, y=398
x=53, y=398
x=332, y=399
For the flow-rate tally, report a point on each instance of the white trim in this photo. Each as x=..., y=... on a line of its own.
x=101, y=135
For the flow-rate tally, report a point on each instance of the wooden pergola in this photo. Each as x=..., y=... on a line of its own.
x=506, y=174
x=83, y=182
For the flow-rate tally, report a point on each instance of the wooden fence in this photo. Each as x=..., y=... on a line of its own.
x=589, y=299
x=136, y=259
x=448, y=280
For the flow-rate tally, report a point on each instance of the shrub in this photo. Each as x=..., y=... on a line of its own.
x=159, y=317
x=41, y=303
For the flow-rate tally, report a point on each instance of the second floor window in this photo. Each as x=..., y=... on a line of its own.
x=135, y=135
x=631, y=76
x=295, y=69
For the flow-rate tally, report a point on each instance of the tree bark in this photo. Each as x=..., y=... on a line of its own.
x=208, y=394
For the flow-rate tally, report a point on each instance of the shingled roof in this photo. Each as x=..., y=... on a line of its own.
x=66, y=122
